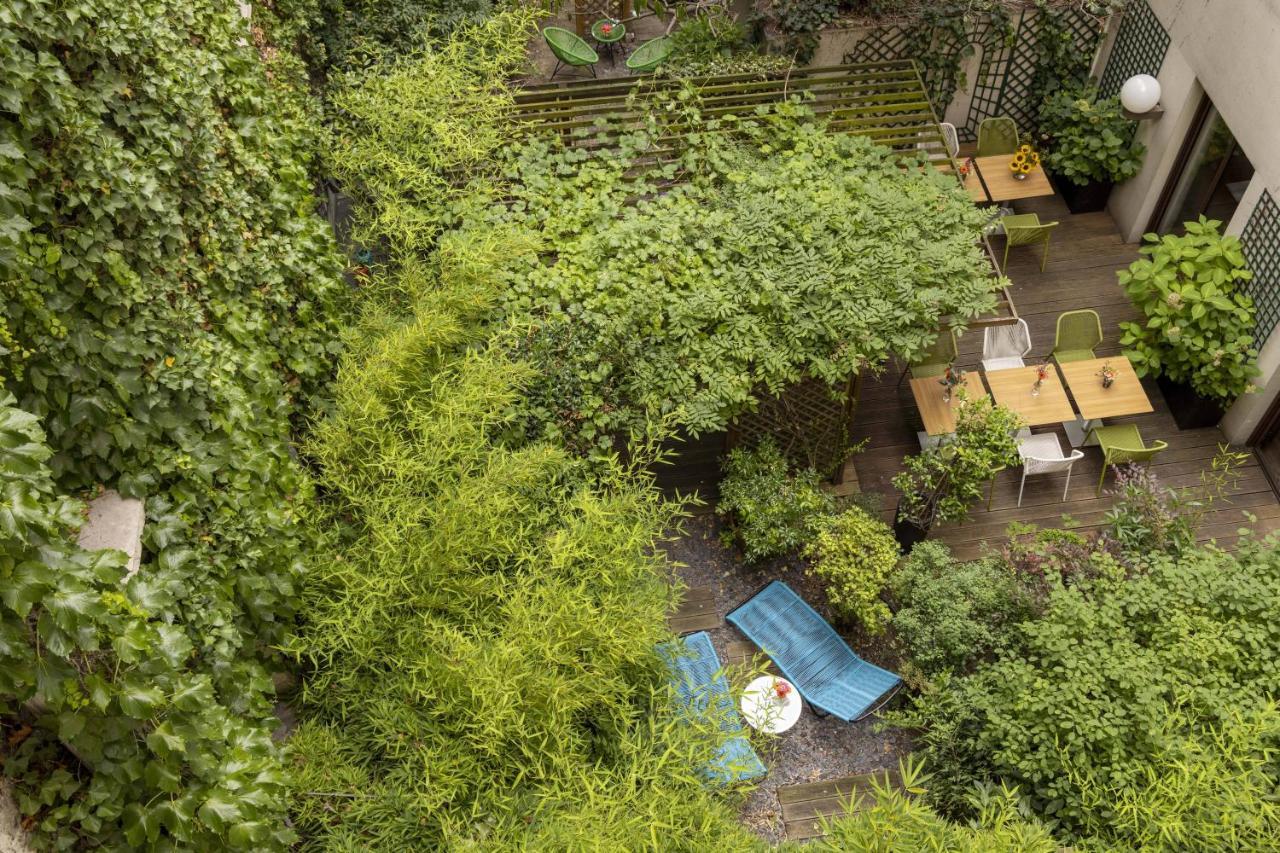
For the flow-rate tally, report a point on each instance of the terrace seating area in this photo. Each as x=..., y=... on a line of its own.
x=1080, y=273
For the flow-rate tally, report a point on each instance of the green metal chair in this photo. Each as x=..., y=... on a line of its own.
x=934, y=361
x=997, y=135
x=569, y=50
x=650, y=55
x=1123, y=444
x=1078, y=333
x=1026, y=229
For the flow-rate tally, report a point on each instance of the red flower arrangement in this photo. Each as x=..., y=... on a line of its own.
x=782, y=688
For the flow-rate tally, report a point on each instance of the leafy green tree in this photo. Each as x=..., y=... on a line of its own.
x=480, y=632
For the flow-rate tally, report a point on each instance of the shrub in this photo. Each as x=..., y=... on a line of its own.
x=941, y=483
x=774, y=512
x=897, y=820
x=1044, y=560
x=1103, y=680
x=954, y=615
x=1088, y=138
x=1199, y=321
x=853, y=554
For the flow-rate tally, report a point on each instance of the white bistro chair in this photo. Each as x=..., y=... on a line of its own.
x=1042, y=454
x=1005, y=346
x=950, y=139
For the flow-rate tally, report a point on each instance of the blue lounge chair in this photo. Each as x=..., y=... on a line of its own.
x=701, y=687
x=811, y=654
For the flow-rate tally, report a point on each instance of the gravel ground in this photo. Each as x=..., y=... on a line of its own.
x=815, y=749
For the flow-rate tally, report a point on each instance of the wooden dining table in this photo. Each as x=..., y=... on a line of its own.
x=1000, y=185
x=938, y=414
x=1013, y=389
x=1126, y=396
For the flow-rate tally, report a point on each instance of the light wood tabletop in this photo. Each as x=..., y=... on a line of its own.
x=971, y=182
x=1126, y=395
x=1003, y=186
x=938, y=415
x=1012, y=389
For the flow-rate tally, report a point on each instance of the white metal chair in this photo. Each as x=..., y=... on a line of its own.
x=1004, y=346
x=950, y=139
x=1042, y=454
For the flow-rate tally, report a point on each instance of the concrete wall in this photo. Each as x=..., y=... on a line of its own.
x=1230, y=50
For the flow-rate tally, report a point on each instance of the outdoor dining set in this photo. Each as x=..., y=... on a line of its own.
x=1074, y=388
x=573, y=51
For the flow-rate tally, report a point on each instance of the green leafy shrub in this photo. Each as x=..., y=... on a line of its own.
x=1088, y=138
x=347, y=34
x=854, y=553
x=954, y=615
x=1105, y=679
x=774, y=511
x=1199, y=320
x=941, y=483
x=715, y=42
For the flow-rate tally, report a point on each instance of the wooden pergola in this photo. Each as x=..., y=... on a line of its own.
x=884, y=101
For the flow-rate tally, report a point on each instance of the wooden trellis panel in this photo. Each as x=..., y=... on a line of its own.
x=810, y=422
x=884, y=101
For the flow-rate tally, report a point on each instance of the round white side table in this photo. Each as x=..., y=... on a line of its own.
x=764, y=711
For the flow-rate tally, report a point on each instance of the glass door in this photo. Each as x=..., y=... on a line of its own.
x=1210, y=177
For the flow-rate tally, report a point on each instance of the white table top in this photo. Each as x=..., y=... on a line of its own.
x=763, y=710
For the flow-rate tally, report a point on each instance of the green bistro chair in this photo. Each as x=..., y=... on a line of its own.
x=1122, y=444
x=569, y=50
x=650, y=55
x=1078, y=333
x=935, y=360
x=1026, y=229
x=997, y=135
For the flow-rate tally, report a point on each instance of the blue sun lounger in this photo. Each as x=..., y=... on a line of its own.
x=702, y=688
x=811, y=654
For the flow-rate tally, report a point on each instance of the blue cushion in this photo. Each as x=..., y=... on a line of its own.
x=810, y=653
x=701, y=687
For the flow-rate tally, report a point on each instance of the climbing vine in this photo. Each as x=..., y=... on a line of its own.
x=171, y=303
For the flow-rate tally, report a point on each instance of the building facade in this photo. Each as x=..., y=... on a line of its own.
x=1214, y=149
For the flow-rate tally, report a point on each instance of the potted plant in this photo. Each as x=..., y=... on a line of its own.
x=1090, y=146
x=942, y=482
x=1197, y=338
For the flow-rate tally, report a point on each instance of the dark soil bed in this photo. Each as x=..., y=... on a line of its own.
x=815, y=749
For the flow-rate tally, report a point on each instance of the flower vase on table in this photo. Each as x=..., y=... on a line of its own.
x=1108, y=374
x=950, y=379
x=1041, y=372
x=1024, y=162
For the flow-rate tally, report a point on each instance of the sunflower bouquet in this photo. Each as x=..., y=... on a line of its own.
x=1025, y=159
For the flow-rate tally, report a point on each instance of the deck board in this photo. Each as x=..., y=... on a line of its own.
x=695, y=612
x=1083, y=258
x=804, y=806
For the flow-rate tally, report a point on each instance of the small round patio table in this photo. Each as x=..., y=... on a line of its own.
x=607, y=39
x=764, y=711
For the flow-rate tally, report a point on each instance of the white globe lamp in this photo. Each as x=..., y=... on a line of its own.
x=1140, y=93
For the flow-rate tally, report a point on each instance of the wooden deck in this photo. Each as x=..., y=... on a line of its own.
x=1085, y=253
x=804, y=806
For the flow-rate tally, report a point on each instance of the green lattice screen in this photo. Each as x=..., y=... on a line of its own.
x=1005, y=84
x=1139, y=49
x=887, y=44
x=1260, y=241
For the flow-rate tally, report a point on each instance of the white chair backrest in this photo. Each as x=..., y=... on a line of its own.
x=950, y=136
x=1006, y=341
x=1038, y=465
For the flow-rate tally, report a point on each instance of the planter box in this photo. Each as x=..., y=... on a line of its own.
x=1189, y=409
x=907, y=533
x=1090, y=198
